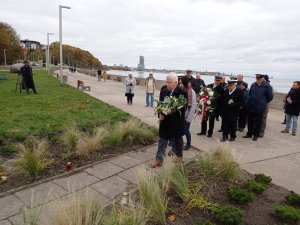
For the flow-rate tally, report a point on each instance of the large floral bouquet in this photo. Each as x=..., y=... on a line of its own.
x=170, y=105
x=206, y=103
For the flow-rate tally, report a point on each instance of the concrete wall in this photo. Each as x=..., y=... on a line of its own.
x=277, y=102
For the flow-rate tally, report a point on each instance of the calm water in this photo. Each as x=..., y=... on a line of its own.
x=279, y=85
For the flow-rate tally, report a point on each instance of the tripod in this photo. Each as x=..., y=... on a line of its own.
x=19, y=83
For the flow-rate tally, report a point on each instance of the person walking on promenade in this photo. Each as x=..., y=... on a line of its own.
x=28, y=82
x=172, y=125
x=260, y=94
x=292, y=108
x=219, y=92
x=99, y=73
x=150, y=84
x=265, y=113
x=243, y=114
x=104, y=75
x=129, y=83
x=190, y=78
x=232, y=101
x=198, y=84
x=190, y=110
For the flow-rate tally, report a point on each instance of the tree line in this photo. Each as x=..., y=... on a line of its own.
x=72, y=56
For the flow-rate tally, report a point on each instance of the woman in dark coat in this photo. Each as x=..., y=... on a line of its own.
x=28, y=83
x=292, y=108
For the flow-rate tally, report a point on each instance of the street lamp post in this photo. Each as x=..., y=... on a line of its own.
x=60, y=40
x=5, y=57
x=48, y=53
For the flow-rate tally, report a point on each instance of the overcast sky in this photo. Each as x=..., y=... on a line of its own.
x=238, y=36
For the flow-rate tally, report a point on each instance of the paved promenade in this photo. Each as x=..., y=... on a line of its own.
x=277, y=155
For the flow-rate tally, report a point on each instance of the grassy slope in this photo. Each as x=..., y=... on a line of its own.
x=49, y=112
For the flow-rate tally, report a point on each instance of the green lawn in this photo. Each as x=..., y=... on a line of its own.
x=49, y=112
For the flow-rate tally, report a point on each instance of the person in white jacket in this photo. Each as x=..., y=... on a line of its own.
x=190, y=111
x=130, y=82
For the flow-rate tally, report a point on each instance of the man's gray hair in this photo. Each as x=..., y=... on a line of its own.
x=173, y=76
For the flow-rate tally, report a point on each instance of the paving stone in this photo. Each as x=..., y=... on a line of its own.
x=5, y=222
x=126, y=161
x=104, y=170
x=142, y=156
x=41, y=193
x=111, y=187
x=76, y=181
x=9, y=206
x=17, y=219
x=130, y=175
x=152, y=150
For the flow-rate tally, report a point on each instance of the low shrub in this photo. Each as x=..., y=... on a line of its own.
x=263, y=179
x=2, y=168
x=32, y=161
x=240, y=196
x=293, y=198
x=228, y=215
x=207, y=165
x=71, y=137
x=8, y=149
x=152, y=198
x=287, y=213
x=253, y=186
x=114, y=136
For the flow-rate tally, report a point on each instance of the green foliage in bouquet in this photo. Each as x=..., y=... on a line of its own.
x=170, y=105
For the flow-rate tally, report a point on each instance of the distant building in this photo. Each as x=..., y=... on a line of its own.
x=30, y=44
x=141, y=65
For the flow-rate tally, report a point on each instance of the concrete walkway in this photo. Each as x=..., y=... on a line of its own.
x=277, y=155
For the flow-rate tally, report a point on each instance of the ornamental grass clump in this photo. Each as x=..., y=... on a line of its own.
x=240, y=196
x=152, y=198
x=79, y=210
x=31, y=161
x=88, y=144
x=287, y=214
x=71, y=137
x=133, y=215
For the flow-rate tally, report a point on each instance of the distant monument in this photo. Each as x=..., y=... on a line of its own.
x=141, y=65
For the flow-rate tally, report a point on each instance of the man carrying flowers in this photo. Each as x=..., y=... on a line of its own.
x=171, y=116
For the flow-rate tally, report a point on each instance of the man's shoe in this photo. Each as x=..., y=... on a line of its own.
x=177, y=159
x=246, y=136
x=261, y=135
x=170, y=153
x=255, y=138
x=146, y=105
x=223, y=139
x=232, y=139
x=155, y=164
x=220, y=130
x=201, y=133
x=294, y=133
x=209, y=135
x=283, y=123
x=286, y=131
x=241, y=129
x=187, y=147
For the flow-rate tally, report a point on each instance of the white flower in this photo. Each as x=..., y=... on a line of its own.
x=208, y=102
x=211, y=93
x=201, y=93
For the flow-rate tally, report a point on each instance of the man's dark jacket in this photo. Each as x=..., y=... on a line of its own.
x=219, y=93
x=173, y=125
x=259, y=96
x=198, y=84
x=231, y=111
x=294, y=108
x=26, y=71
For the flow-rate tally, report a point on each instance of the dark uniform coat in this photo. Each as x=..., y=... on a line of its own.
x=26, y=71
x=173, y=124
x=219, y=92
x=231, y=110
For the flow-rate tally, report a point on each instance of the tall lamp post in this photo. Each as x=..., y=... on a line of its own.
x=5, y=57
x=48, y=53
x=60, y=40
